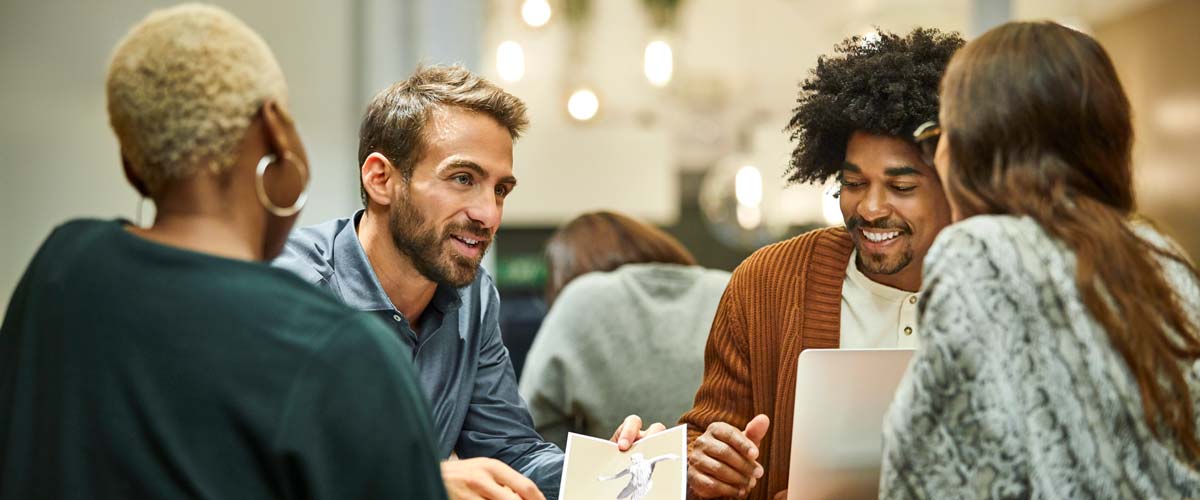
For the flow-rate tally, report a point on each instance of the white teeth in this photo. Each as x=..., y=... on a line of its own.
x=878, y=237
x=467, y=240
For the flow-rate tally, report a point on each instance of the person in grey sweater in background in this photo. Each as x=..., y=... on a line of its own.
x=629, y=317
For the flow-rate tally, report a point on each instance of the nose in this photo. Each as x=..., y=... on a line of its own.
x=874, y=205
x=486, y=210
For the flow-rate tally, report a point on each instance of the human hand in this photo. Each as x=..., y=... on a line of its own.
x=631, y=431
x=782, y=495
x=722, y=461
x=486, y=479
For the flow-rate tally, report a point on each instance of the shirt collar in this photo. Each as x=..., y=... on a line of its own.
x=878, y=289
x=358, y=284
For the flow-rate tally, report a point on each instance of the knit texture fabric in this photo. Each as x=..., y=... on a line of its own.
x=783, y=299
x=1016, y=390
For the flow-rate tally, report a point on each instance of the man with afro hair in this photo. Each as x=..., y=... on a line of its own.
x=856, y=286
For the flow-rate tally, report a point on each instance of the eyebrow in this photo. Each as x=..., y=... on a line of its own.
x=890, y=172
x=899, y=171
x=474, y=167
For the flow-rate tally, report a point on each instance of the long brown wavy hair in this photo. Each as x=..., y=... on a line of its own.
x=1038, y=125
x=604, y=241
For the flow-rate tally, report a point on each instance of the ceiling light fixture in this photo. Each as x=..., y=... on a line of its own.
x=536, y=13
x=583, y=105
x=659, y=63
x=510, y=61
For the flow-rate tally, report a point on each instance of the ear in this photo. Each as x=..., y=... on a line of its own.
x=133, y=178
x=377, y=172
x=276, y=123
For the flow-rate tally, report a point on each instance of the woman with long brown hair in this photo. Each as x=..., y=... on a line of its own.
x=627, y=300
x=1060, y=349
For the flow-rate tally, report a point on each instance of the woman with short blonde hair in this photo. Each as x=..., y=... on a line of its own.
x=171, y=361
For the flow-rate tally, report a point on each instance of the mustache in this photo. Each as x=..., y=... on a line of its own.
x=857, y=222
x=473, y=229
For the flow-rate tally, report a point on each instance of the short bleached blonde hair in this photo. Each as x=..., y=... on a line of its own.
x=183, y=86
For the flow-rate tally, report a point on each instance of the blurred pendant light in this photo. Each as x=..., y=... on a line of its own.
x=748, y=186
x=536, y=13
x=658, y=63
x=510, y=61
x=583, y=104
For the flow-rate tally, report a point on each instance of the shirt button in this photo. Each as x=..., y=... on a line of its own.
x=908, y=330
x=912, y=300
x=397, y=317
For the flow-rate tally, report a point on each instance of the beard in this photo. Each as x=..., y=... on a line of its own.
x=890, y=262
x=426, y=247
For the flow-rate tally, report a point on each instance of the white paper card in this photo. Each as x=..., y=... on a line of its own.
x=655, y=468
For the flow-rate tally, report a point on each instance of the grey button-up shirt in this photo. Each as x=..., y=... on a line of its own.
x=461, y=362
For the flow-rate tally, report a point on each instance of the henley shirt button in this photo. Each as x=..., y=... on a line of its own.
x=908, y=330
x=396, y=317
x=912, y=300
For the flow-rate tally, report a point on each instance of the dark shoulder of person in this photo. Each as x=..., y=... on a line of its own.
x=234, y=362
x=361, y=419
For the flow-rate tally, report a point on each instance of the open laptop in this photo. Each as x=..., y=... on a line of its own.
x=842, y=396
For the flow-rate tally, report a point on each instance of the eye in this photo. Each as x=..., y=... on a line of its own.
x=904, y=188
x=463, y=179
x=846, y=183
x=502, y=190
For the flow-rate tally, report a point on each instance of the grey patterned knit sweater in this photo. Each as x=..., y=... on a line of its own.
x=1016, y=391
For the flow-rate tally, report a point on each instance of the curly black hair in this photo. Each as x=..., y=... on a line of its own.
x=885, y=86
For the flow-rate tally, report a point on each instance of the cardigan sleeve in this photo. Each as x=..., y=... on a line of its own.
x=724, y=394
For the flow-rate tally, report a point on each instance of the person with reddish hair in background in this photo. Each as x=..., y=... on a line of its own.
x=616, y=282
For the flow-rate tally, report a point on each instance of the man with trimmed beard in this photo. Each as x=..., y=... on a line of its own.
x=856, y=286
x=435, y=164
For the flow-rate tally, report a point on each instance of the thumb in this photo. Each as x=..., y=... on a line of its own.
x=757, y=428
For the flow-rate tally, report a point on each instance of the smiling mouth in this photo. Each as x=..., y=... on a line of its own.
x=879, y=236
x=470, y=247
x=470, y=242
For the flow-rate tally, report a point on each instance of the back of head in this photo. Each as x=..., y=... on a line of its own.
x=394, y=123
x=183, y=87
x=1036, y=109
x=1036, y=124
x=883, y=86
x=604, y=241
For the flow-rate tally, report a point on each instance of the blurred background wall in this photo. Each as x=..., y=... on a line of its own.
x=697, y=149
x=1156, y=50
x=58, y=156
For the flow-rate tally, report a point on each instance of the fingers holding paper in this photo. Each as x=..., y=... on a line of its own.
x=631, y=431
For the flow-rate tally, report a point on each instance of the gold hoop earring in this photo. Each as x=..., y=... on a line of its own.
x=261, y=189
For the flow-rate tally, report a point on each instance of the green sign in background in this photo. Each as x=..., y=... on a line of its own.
x=521, y=271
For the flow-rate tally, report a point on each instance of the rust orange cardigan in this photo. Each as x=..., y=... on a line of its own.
x=783, y=299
